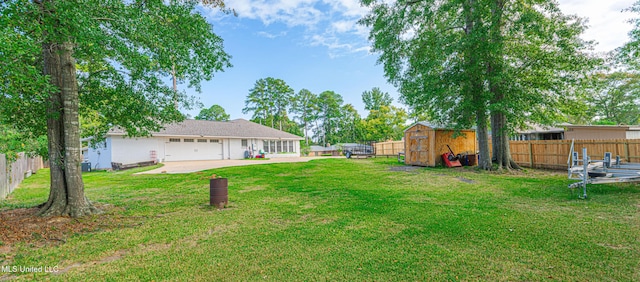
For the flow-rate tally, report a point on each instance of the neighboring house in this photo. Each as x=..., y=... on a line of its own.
x=194, y=140
x=602, y=132
x=538, y=132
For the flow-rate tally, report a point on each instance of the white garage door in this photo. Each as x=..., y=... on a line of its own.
x=193, y=149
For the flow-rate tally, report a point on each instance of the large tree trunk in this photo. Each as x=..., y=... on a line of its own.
x=475, y=87
x=484, y=161
x=66, y=196
x=500, y=142
x=499, y=123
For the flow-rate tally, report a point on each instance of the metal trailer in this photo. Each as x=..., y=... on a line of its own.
x=607, y=170
x=362, y=149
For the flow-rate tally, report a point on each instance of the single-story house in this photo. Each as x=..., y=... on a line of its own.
x=582, y=132
x=539, y=132
x=195, y=140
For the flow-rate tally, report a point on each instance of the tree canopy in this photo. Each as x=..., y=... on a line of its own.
x=105, y=60
x=269, y=100
x=465, y=61
x=305, y=106
x=615, y=98
x=375, y=99
x=215, y=112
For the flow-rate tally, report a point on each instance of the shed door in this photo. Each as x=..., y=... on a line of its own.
x=419, y=150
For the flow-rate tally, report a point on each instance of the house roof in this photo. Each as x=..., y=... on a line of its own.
x=239, y=128
x=605, y=127
x=536, y=128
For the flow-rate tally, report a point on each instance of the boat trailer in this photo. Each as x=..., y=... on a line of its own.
x=607, y=170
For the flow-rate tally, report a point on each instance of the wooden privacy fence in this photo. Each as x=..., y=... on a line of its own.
x=554, y=153
x=12, y=174
x=550, y=153
x=389, y=148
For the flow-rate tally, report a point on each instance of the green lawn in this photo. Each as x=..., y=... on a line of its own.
x=348, y=220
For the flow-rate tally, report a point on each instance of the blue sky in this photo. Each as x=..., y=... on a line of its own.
x=317, y=44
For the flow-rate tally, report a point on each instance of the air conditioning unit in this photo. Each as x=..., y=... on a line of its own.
x=86, y=166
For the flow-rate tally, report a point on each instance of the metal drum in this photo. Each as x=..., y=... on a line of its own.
x=218, y=192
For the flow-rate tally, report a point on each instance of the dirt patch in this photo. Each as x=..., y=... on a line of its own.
x=466, y=180
x=251, y=188
x=23, y=225
x=221, y=229
x=405, y=168
x=144, y=248
x=6, y=256
x=115, y=256
x=615, y=247
x=280, y=222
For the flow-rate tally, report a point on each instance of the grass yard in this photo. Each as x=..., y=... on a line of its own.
x=348, y=220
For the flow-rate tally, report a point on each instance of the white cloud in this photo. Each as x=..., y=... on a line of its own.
x=337, y=46
x=343, y=25
x=290, y=12
x=336, y=20
x=607, y=23
x=329, y=23
x=271, y=35
x=348, y=8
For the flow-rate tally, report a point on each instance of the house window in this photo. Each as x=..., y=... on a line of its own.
x=188, y=140
x=291, y=147
x=174, y=139
x=202, y=140
x=265, y=146
x=214, y=141
x=279, y=146
x=273, y=146
x=244, y=143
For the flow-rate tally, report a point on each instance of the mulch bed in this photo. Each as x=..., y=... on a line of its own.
x=23, y=225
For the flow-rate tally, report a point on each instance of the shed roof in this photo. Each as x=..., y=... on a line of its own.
x=239, y=128
x=432, y=125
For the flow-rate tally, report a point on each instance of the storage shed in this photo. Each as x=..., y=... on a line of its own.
x=425, y=143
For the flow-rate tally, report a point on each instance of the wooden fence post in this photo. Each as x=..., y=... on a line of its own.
x=530, y=154
x=626, y=151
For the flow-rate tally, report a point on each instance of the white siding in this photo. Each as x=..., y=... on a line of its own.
x=100, y=157
x=235, y=149
x=134, y=150
x=193, y=151
x=635, y=134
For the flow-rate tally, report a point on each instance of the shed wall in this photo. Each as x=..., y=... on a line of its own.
x=424, y=145
x=465, y=142
x=419, y=145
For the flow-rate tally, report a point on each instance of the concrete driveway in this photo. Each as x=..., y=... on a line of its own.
x=193, y=166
